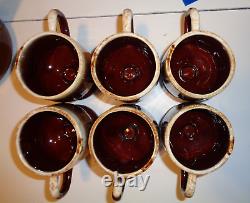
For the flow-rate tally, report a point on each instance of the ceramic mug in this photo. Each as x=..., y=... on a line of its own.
x=51, y=140
x=124, y=140
x=198, y=138
x=6, y=49
x=125, y=66
x=52, y=65
x=199, y=64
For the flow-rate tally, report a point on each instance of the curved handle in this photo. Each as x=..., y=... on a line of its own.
x=60, y=184
x=188, y=183
x=55, y=18
x=118, y=188
x=127, y=21
x=192, y=20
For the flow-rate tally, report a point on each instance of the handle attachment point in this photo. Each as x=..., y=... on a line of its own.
x=56, y=19
x=60, y=184
x=127, y=20
x=118, y=188
x=192, y=20
x=188, y=183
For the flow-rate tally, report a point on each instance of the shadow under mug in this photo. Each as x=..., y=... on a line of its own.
x=198, y=138
x=124, y=140
x=125, y=66
x=51, y=140
x=52, y=65
x=199, y=64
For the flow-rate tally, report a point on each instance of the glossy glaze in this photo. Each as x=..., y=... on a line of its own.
x=200, y=64
x=50, y=65
x=48, y=141
x=126, y=66
x=5, y=49
x=123, y=142
x=199, y=139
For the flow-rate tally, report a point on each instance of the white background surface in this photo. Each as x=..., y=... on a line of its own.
x=159, y=21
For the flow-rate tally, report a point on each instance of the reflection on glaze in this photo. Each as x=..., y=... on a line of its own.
x=200, y=64
x=48, y=141
x=123, y=142
x=126, y=66
x=199, y=139
x=49, y=65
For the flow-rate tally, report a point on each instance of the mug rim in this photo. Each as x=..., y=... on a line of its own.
x=98, y=83
x=170, y=125
x=185, y=92
x=141, y=115
x=80, y=145
x=81, y=73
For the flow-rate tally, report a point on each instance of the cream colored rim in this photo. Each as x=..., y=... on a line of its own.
x=80, y=74
x=175, y=83
x=102, y=88
x=78, y=134
x=143, y=116
x=171, y=123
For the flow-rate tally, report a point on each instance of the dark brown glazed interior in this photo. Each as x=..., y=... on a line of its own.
x=49, y=65
x=123, y=142
x=48, y=141
x=5, y=49
x=126, y=66
x=199, y=139
x=200, y=64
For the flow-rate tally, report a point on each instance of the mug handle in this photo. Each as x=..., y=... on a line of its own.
x=118, y=189
x=192, y=20
x=127, y=21
x=55, y=18
x=188, y=183
x=60, y=184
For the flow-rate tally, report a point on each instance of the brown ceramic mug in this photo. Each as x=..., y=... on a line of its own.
x=52, y=65
x=198, y=138
x=199, y=64
x=51, y=140
x=6, y=49
x=125, y=66
x=124, y=140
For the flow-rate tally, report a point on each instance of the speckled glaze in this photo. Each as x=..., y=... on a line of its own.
x=167, y=122
x=82, y=84
x=127, y=21
x=117, y=192
x=81, y=118
x=170, y=82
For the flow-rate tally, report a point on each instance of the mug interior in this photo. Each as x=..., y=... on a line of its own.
x=200, y=64
x=123, y=141
x=47, y=141
x=199, y=139
x=125, y=65
x=49, y=64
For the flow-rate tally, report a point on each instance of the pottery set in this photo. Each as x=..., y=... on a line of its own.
x=125, y=139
